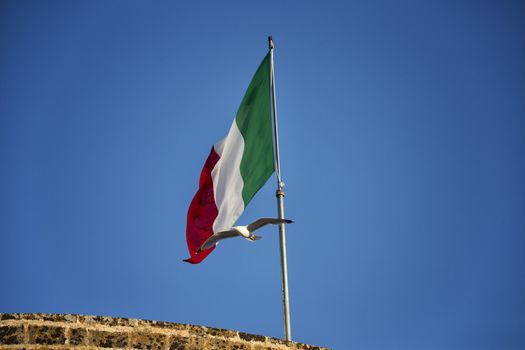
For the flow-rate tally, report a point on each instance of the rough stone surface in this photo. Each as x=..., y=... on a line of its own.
x=217, y=344
x=250, y=337
x=178, y=343
x=64, y=332
x=240, y=346
x=78, y=336
x=46, y=335
x=103, y=339
x=7, y=317
x=11, y=335
x=148, y=341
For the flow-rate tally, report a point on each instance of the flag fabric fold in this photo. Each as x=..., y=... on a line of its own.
x=236, y=168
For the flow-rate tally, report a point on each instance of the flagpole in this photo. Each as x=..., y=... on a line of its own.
x=280, y=202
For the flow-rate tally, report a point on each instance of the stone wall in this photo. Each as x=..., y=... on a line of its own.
x=59, y=332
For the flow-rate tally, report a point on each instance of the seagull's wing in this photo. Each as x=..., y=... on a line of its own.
x=210, y=242
x=265, y=221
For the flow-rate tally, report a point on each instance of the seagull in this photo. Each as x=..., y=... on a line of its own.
x=244, y=231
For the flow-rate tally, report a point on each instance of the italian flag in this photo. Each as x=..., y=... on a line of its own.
x=237, y=167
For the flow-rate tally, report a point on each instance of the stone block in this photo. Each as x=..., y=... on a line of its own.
x=47, y=335
x=8, y=316
x=58, y=317
x=178, y=343
x=78, y=336
x=238, y=346
x=148, y=341
x=104, y=320
x=196, y=343
x=218, y=332
x=216, y=344
x=36, y=317
x=160, y=324
x=11, y=335
x=108, y=339
x=250, y=337
x=197, y=330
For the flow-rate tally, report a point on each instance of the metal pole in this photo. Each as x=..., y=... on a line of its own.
x=280, y=203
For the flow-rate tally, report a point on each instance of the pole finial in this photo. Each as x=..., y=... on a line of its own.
x=270, y=43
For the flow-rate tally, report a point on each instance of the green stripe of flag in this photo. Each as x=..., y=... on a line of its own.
x=255, y=124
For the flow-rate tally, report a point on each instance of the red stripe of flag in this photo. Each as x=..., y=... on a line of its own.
x=202, y=212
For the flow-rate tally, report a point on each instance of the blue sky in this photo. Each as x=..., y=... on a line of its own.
x=402, y=131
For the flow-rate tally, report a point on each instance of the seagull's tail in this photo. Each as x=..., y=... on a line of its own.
x=254, y=238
